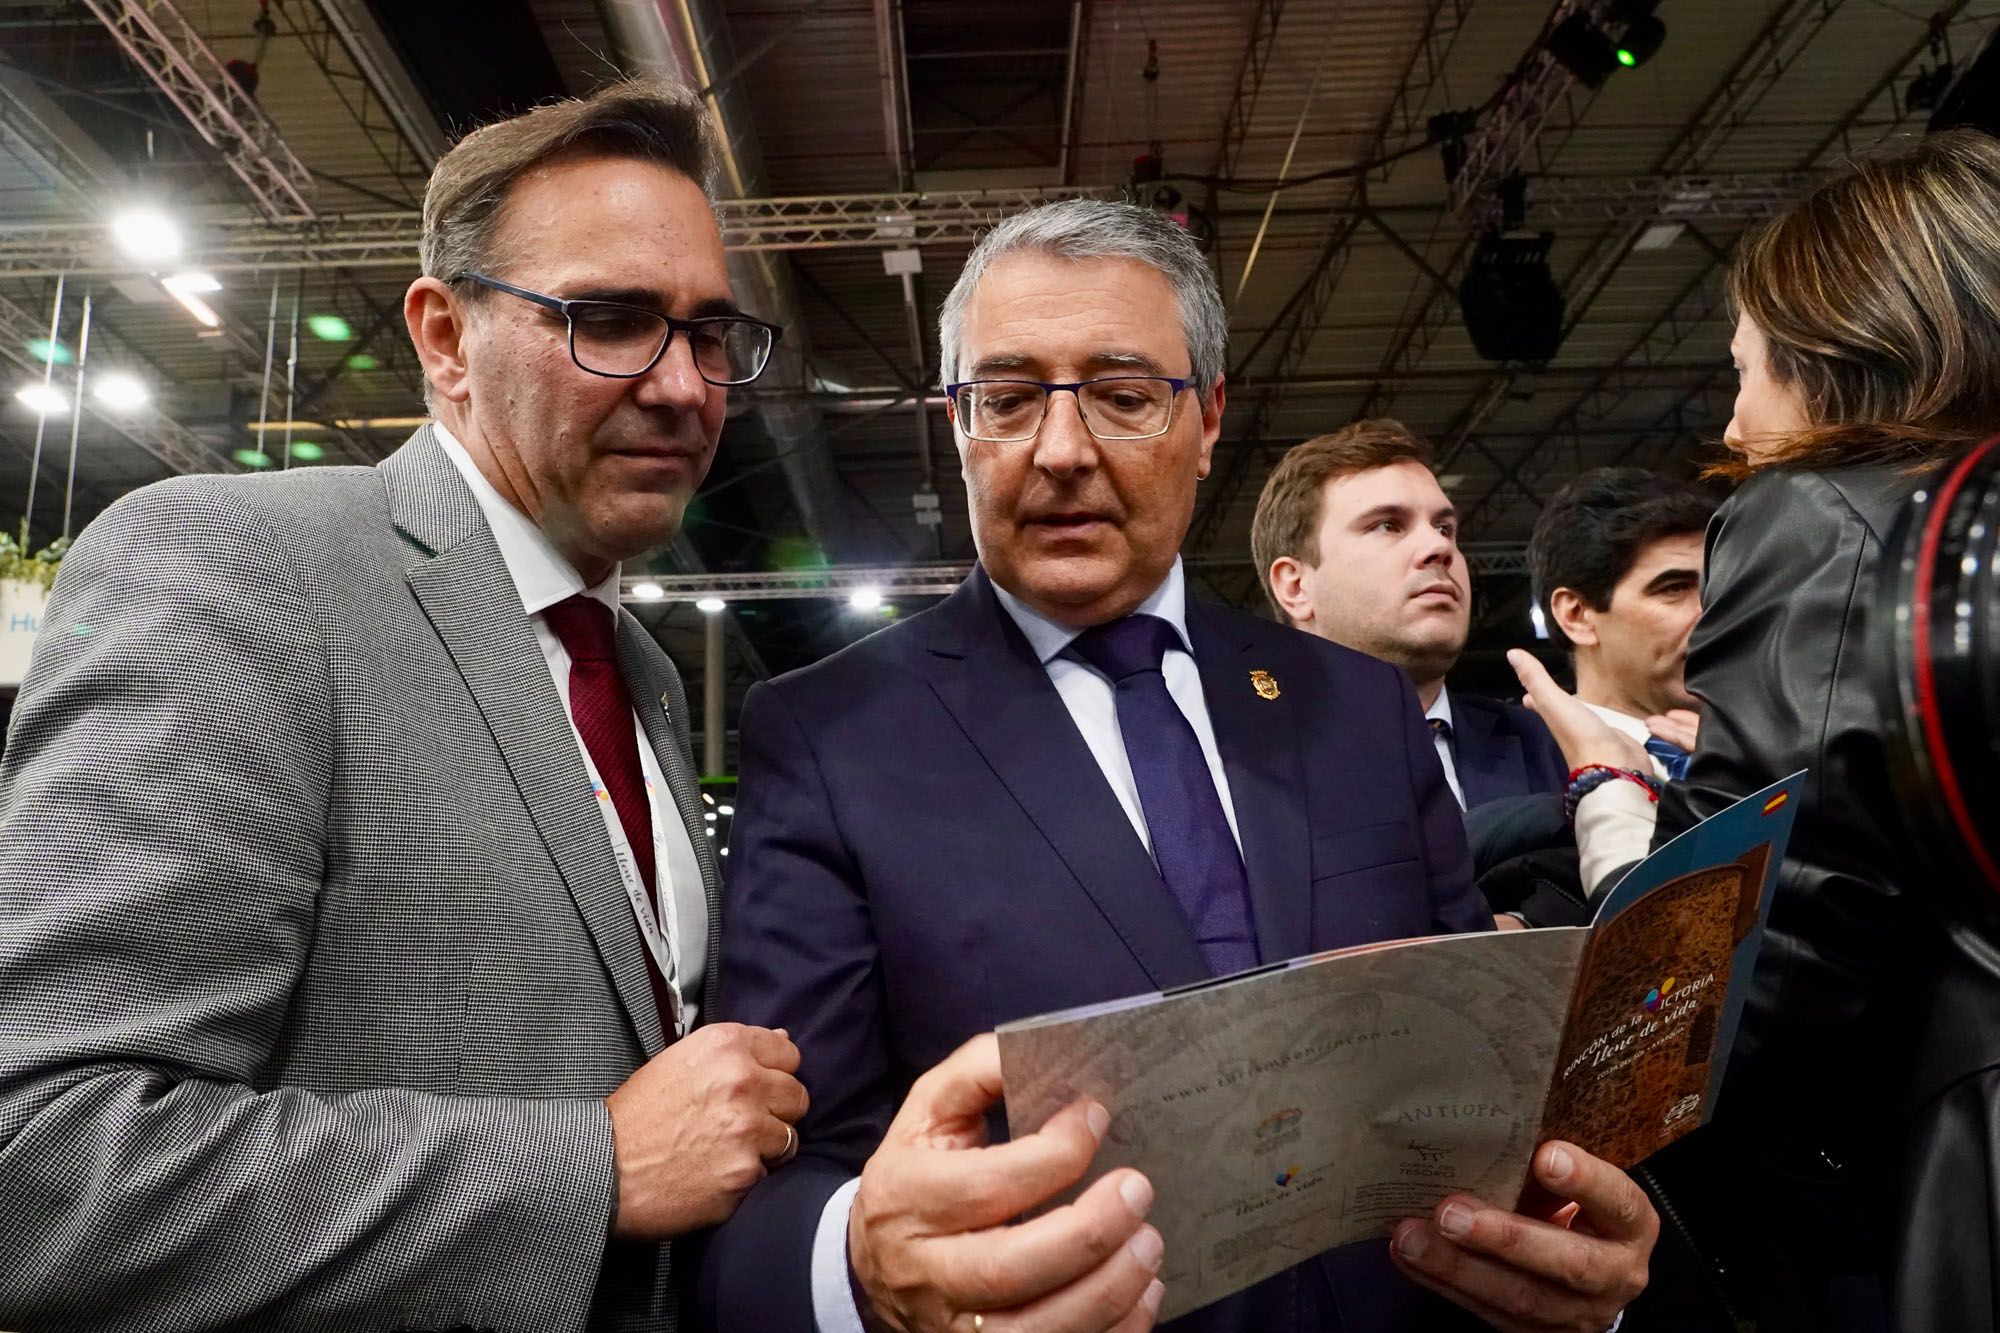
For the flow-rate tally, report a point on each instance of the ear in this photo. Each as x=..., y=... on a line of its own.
x=1211, y=427
x=437, y=330
x=1574, y=617
x=1287, y=580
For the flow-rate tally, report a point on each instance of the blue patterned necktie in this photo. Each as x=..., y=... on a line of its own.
x=1192, y=844
x=1673, y=756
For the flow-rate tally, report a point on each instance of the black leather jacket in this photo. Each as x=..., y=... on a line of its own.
x=1849, y=1180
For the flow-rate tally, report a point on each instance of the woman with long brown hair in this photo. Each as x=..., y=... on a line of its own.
x=1852, y=1177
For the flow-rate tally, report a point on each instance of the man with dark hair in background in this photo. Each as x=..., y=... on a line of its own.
x=1357, y=543
x=1616, y=561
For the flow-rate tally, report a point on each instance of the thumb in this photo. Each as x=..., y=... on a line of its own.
x=957, y=1089
x=1534, y=677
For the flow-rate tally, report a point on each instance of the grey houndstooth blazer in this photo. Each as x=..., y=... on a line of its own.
x=315, y=967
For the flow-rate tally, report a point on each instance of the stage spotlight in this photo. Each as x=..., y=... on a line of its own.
x=1512, y=306
x=1641, y=40
x=1579, y=46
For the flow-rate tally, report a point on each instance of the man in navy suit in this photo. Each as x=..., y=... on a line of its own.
x=1069, y=783
x=1358, y=543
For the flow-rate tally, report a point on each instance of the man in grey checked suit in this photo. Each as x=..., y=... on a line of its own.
x=353, y=880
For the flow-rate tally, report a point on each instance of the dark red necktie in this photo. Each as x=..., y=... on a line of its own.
x=602, y=712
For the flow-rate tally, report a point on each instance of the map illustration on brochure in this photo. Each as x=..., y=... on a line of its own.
x=1311, y=1104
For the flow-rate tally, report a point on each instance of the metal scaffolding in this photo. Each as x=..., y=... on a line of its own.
x=167, y=48
x=159, y=435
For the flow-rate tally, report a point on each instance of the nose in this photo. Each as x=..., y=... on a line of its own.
x=673, y=382
x=1437, y=548
x=1064, y=446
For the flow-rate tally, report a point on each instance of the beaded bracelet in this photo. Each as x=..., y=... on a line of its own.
x=1585, y=780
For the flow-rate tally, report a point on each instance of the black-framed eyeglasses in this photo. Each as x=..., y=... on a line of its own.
x=1118, y=407
x=623, y=342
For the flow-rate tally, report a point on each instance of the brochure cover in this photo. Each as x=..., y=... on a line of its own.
x=1311, y=1104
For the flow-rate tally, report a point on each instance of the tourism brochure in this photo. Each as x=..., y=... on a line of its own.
x=1306, y=1105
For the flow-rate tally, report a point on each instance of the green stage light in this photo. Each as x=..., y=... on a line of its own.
x=45, y=351
x=362, y=361
x=305, y=451
x=252, y=458
x=329, y=328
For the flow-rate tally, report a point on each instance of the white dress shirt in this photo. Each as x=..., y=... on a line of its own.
x=1092, y=703
x=1440, y=709
x=544, y=577
x=1627, y=725
x=1614, y=822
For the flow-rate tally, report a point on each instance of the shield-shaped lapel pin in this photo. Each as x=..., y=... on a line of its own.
x=1264, y=684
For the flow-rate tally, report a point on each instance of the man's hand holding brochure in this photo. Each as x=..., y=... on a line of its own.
x=1283, y=1112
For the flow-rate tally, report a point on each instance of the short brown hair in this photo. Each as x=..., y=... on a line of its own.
x=1288, y=510
x=1876, y=296
x=648, y=120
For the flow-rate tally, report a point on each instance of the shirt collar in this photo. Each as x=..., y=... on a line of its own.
x=541, y=574
x=1623, y=723
x=1048, y=639
x=1440, y=709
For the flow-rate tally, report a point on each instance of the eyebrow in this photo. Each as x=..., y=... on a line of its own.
x=1137, y=362
x=1666, y=576
x=647, y=298
x=1383, y=511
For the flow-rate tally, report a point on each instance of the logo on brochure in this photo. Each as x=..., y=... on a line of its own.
x=1278, y=1129
x=1279, y=1122
x=1286, y=1176
x=1657, y=996
x=1771, y=806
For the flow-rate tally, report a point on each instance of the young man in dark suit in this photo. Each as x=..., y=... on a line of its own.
x=1357, y=543
x=1071, y=782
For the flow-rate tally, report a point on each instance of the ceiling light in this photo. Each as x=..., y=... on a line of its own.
x=42, y=399
x=381, y=423
x=121, y=391
x=330, y=328
x=710, y=606
x=146, y=234
x=865, y=599
x=187, y=288
x=725, y=810
x=45, y=351
x=1579, y=46
x=362, y=361
x=648, y=592
x=1641, y=41
x=252, y=458
x=307, y=452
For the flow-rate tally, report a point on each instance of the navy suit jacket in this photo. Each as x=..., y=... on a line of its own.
x=1502, y=749
x=924, y=848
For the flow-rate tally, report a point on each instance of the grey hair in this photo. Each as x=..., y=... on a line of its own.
x=1101, y=229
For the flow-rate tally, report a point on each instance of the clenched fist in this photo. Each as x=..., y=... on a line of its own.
x=695, y=1126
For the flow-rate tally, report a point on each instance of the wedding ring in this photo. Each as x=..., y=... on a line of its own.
x=791, y=1148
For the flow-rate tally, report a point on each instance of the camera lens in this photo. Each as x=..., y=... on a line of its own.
x=1936, y=643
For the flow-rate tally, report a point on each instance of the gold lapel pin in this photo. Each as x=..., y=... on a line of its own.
x=1265, y=685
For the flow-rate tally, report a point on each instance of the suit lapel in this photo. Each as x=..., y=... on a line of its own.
x=1489, y=764
x=471, y=602
x=1258, y=739
x=985, y=674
